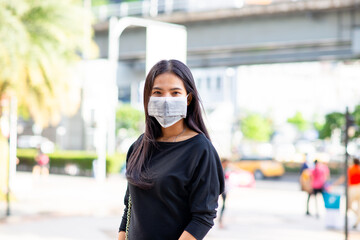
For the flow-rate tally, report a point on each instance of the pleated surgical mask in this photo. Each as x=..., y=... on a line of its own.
x=167, y=110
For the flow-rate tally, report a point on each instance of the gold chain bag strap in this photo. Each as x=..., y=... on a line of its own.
x=128, y=218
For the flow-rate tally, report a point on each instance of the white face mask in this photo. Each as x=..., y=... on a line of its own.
x=167, y=110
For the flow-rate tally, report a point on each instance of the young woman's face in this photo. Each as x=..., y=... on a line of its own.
x=168, y=85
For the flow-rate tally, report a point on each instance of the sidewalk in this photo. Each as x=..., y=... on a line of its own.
x=68, y=208
x=63, y=207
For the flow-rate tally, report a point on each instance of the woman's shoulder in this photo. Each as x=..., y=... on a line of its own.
x=135, y=143
x=200, y=142
x=201, y=138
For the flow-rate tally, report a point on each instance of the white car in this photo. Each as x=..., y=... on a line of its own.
x=30, y=141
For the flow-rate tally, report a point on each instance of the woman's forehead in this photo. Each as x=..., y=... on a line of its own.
x=168, y=80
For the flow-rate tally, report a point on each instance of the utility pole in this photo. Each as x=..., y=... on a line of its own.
x=349, y=122
x=346, y=172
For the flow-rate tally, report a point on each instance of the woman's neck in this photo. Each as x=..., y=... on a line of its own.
x=171, y=133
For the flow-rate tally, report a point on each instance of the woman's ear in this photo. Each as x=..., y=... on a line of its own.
x=189, y=98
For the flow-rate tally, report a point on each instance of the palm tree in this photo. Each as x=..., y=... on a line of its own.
x=39, y=42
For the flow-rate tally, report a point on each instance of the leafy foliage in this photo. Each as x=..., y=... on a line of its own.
x=129, y=118
x=99, y=2
x=356, y=115
x=299, y=121
x=337, y=120
x=319, y=122
x=255, y=127
x=332, y=121
x=39, y=41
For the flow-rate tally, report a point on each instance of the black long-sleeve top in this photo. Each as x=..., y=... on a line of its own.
x=188, y=180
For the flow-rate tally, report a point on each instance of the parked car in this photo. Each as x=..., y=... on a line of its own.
x=240, y=178
x=261, y=166
x=31, y=141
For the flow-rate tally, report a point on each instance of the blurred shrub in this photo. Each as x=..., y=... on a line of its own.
x=115, y=162
x=299, y=122
x=336, y=168
x=82, y=159
x=95, y=3
x=256, y=127
x=130, y=118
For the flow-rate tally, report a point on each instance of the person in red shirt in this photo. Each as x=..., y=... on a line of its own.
x=42, y=163
x=354, y=188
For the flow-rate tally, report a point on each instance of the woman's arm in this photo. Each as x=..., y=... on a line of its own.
x=339, y=181
x=184, y=236
x=123, y=223
x=206, y=185
x=121, y=235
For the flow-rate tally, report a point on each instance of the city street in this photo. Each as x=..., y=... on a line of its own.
x=168, y=87
x=68, y=208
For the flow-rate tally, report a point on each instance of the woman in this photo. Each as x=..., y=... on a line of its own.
x=174, y=173
x=319, y=175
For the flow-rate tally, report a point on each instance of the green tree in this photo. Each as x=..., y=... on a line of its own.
x=100, y=2
x=318, y=122
x=356, y=115
x=256, y=127
x=39, y=43
x=318, y=125
x=299, y=121
x=106, y=2
x=332, y=121
x=129, y=118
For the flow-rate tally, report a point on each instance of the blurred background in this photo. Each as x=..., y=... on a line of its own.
x=275, y=78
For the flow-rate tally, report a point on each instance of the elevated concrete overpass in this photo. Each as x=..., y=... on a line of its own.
x=235, y=33
x=281, y=31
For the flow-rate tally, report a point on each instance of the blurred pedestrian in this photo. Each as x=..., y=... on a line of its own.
x=305, y=179
x=42, y=163
x=306, y=185
x=174, y=173
x=354, y=188
x=307, y=164
x=319, y=176
x=225, y=164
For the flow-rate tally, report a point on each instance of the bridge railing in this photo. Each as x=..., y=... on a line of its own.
x=153, y=8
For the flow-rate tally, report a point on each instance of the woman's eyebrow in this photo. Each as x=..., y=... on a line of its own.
x=176, y=88
x=158, y=88
x=171, y=89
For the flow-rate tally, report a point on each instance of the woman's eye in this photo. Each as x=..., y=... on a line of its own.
x=156, y=93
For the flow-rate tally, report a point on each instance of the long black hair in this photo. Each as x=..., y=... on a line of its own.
x=136, y=170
